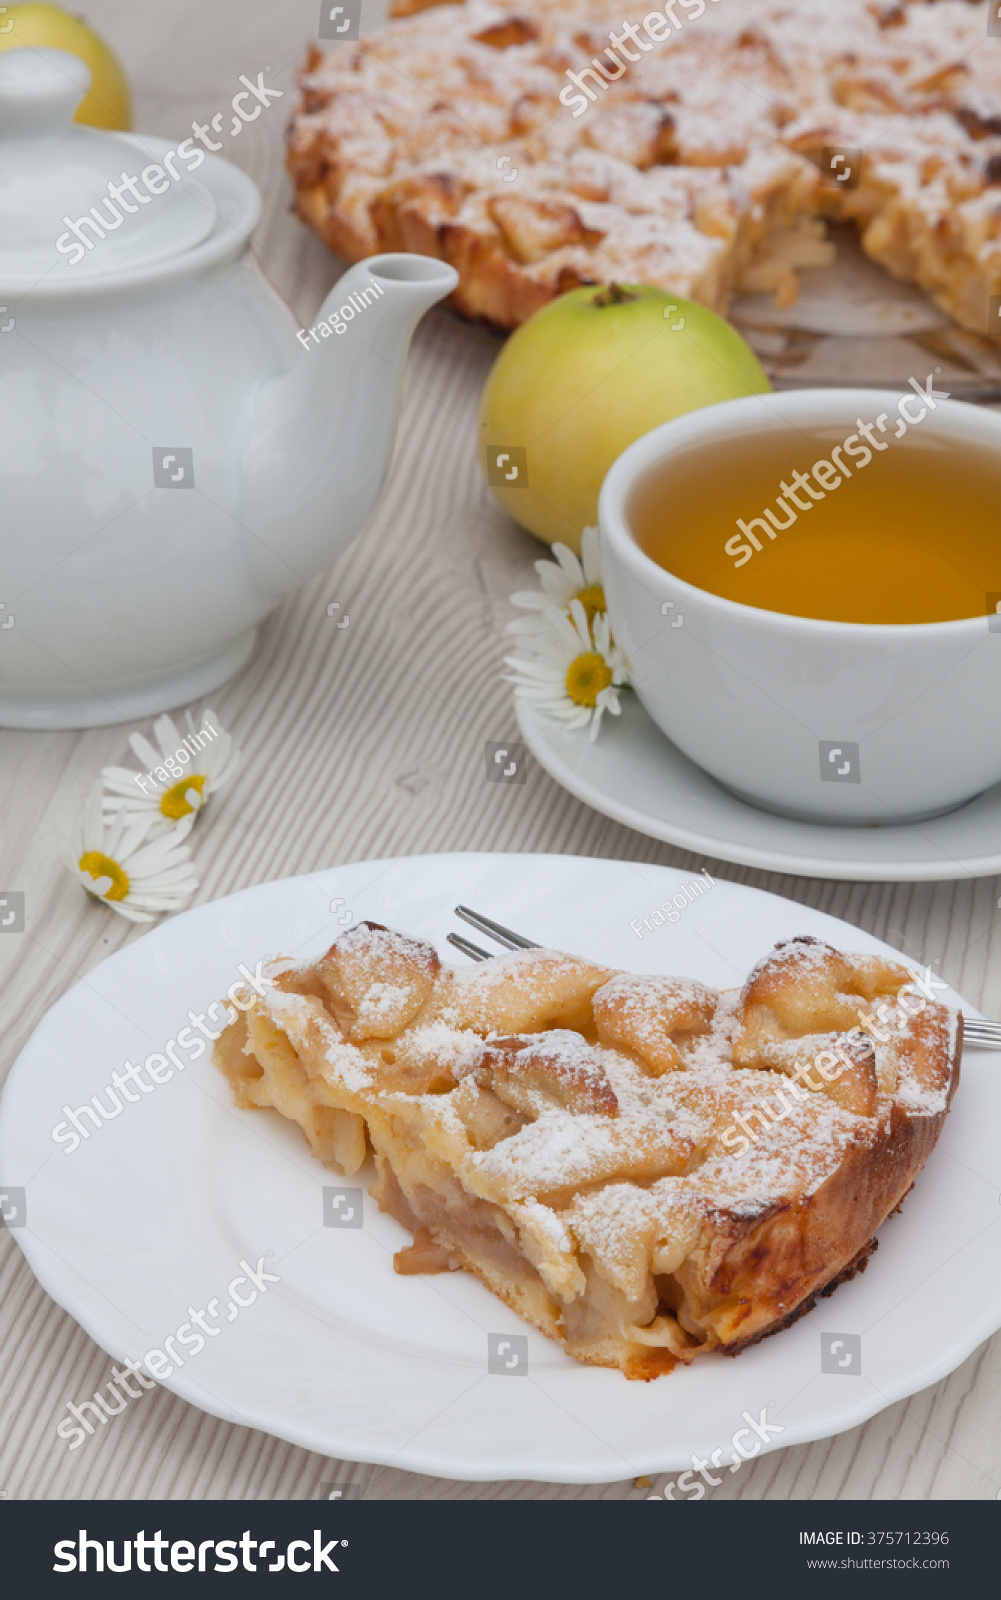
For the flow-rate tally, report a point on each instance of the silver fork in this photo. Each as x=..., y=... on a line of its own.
x=979, y=1033
x=493, y=930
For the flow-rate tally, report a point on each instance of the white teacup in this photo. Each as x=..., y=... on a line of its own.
x=821, y=721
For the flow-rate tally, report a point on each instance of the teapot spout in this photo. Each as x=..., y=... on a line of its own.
x=319, y=436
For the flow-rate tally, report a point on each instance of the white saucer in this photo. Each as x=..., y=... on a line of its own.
x=636, y=775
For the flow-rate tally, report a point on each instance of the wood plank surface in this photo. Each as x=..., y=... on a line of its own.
x=364, y=742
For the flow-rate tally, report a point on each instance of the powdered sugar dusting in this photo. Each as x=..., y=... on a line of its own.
x=596, y=1153
x=381, y=1003
x=633, y=179
x=301, y=1017
x=458, y=1049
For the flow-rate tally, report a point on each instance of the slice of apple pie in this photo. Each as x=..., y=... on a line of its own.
x=641, y=1167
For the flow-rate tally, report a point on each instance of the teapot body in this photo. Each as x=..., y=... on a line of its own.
x=173, y=459
x=126, y=558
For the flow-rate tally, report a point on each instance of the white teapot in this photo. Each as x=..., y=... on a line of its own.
x=173, y=459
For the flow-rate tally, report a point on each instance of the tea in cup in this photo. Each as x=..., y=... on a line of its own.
x=835, y=555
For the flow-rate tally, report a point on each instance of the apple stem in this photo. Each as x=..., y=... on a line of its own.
x=613, y=295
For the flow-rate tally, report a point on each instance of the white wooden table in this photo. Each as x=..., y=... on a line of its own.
x=363, y=742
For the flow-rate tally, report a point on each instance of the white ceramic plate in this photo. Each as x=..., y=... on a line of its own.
x=154, y=1212
x=636, y=775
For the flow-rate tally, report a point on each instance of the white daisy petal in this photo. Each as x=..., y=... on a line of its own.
x=123, y=776
x=131, y=831
x=196, y=766
x=167, y=733
x=560, y=637
x=569, y=563
x=99, y=886
x=555, y=584
x=147, y=754
x=93, y=819
x=118, y=862
x=526, y=627
x=563, y=627
x=578, y=617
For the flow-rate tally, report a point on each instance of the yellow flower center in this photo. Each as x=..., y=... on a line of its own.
x=175, y=803
x=587, y=675
x=593, y=600
x=102, y=866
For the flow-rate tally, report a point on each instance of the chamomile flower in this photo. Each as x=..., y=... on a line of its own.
x=179, y=777
x=136, y=875
x=574, y=672
x=563, y=580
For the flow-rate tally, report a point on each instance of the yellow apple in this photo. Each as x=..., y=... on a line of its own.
x=107, y=103
x=582, y=379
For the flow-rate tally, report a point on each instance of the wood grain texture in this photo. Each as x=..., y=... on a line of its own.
x=366, y=742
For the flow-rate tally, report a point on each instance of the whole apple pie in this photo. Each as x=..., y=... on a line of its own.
x=541, y=147
x=643, y=1168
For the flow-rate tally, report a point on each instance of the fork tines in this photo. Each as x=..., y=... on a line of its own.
x=978, y=1031
x=493, y=930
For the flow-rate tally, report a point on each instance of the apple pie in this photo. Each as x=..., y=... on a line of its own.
x=701, y=155
x=643, y=1168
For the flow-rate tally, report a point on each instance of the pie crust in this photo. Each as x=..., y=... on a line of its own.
x=704, y=167
x=642, y=1168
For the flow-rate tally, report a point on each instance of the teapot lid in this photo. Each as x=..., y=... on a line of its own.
x=76, y=202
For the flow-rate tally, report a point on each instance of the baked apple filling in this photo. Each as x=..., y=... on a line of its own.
x=641, y=1167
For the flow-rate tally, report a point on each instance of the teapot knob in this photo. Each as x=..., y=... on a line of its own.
x=39, y=92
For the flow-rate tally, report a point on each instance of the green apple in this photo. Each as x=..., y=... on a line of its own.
x=107, y=103
x=582, y=379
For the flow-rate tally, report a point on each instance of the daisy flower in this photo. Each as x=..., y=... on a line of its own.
x=563, y=580
x=180, y=776
x=575, y=670
x=119, y=863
